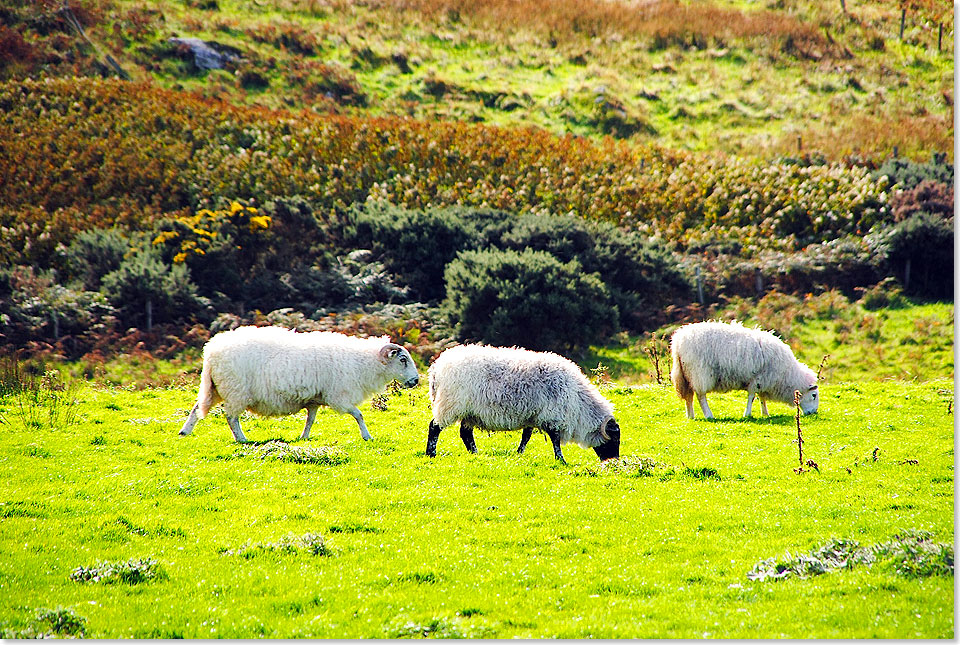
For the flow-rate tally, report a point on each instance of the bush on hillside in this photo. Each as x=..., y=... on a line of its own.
x=923, y=246
x=527, y=298
x=846, y=264
x=906, y=174
x=415, y=244
x=641, y=276
x=33, y=307
x=145, y=290
x=928, y=196
x=94, y=254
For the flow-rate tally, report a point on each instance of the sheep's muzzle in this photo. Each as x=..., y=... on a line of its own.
x=609, y=449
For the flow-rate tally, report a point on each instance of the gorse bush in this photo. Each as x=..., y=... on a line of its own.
x=93, y=254
x=146, y=290
x=528, y=298
x=416, y=245
x=920, y=249
x=640, y=275
x=906, y=174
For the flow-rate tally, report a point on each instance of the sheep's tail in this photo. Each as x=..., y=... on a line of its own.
x=680, y=380
x=207, y=396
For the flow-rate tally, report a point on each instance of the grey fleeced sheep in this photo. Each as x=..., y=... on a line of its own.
x=506, y=388
x=275, y=371
x=719, y=357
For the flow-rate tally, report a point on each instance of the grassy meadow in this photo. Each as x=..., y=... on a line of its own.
x=337, y=537
x=746, y=141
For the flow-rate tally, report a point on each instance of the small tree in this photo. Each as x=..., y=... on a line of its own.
x=528, y=298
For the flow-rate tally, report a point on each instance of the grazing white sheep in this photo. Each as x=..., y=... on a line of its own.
x=718, y=357
x=275, y=371
x=506, y=388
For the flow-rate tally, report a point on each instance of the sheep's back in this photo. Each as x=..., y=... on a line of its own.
x=502, y=388
x=719, y=356
x=276, y=371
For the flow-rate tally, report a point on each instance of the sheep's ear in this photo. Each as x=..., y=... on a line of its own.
x=603, y=428
x=388, y=351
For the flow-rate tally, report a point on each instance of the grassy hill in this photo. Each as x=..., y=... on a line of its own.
x=741, y=77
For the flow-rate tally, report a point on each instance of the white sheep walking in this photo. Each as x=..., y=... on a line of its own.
x=719, y=357
x=274, y=371
x=506, y=388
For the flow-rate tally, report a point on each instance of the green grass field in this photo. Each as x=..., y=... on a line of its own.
x=374, y=539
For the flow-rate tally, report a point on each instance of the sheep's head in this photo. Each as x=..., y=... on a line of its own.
x=400, y=363
x=810, y=399
x=610, y=437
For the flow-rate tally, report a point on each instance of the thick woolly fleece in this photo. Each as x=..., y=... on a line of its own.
x=716, y=356
x=506, y=388
x=274, y=371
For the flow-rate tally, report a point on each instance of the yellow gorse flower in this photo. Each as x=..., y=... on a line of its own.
x=259, y=222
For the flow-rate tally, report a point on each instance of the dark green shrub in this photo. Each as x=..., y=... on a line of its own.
x=528, y=298
x=415, y=244
x=295, y=234
x=146, y=290
x=93, y=254
x=641, y=276
x=908, y=174
x=34, y=307
x=920, y=252
x=566, y=238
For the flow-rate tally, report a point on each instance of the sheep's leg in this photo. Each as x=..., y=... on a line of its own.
x=355, y=413
x=555, y=439
x=311, y=415
x=751, y=393
x=689, y=403
x=466, y=433
x=433, y=433
x=234, y=423
x=702, y=398
x=763, y=407
x=524, y=440
x=191, y=421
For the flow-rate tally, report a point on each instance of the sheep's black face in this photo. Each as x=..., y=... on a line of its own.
x=611, y=448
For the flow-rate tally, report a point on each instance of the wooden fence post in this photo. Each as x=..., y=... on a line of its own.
x=699, y=285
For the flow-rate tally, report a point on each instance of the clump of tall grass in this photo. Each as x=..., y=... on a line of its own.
x=283, y=451
x=627, y=466
x=50, y=623
x=312, y=543
x=40, y=400
x=912, y=554
x=131, y=572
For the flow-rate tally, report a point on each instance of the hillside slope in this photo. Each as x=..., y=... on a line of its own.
x=745, y=77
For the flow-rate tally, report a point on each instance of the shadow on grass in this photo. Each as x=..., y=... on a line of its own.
x=773, y=419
